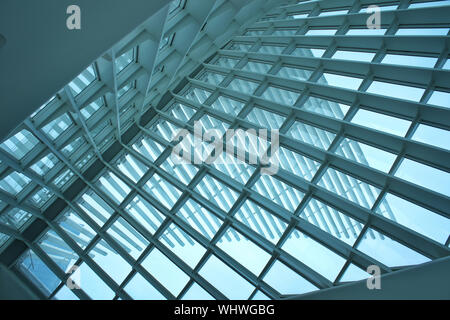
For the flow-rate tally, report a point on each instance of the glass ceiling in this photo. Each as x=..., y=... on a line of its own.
x=364, y=153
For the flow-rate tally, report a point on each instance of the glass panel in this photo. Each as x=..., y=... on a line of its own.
x=265, y=119
x=114, y=187
x=257, y=67
x=14, y=183
x=354, y=273
x=294, y=73
x=365, y=154
x=197, y=95
x=144, y=213
x=432, y=136
x=284, y=32
x=227, y=105
x=212, y=77
x=261, y=221
x=128, y=238
x=20, y=144
x=297, y=164
x=280, y=96
x=93, y=285
x=341, y=81
x=416, y=218
x=181, y=112
x=332, y=221
x=3, y=239
x=260, y=296
x=279, y=192
x=40, y=197
x=308, y=52
x=55, y=247
x=429, y=4
x=244, y=86
x=131, y=167
x=181, y=244
x=65, y=294
x=197, y=293
x=350, y=188
x=150, y=149
x=366, y=32
x=165, y=192
x=321, y=32
x=234, y=168
x=201, y=219
x=405, y=60
x=217, y=192
x=95, y=207
x=77, y=229
x=325, y=107
x=354, y=55
x=56, y=127
x=270, y=49
x=44, y=165
x=422, y=32
x=124, y=60
x=83, y=80
x=226, y=62
x=111, y=262
x=38, y=272
x=311, y=135
x=181, y=171
x=440, y=98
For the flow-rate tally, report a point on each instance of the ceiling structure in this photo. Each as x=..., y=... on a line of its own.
x=88, y=179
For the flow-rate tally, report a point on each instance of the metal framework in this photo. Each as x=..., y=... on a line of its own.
x=89, y=176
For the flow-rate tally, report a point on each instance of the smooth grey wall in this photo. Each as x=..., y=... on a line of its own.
x=12, y=287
